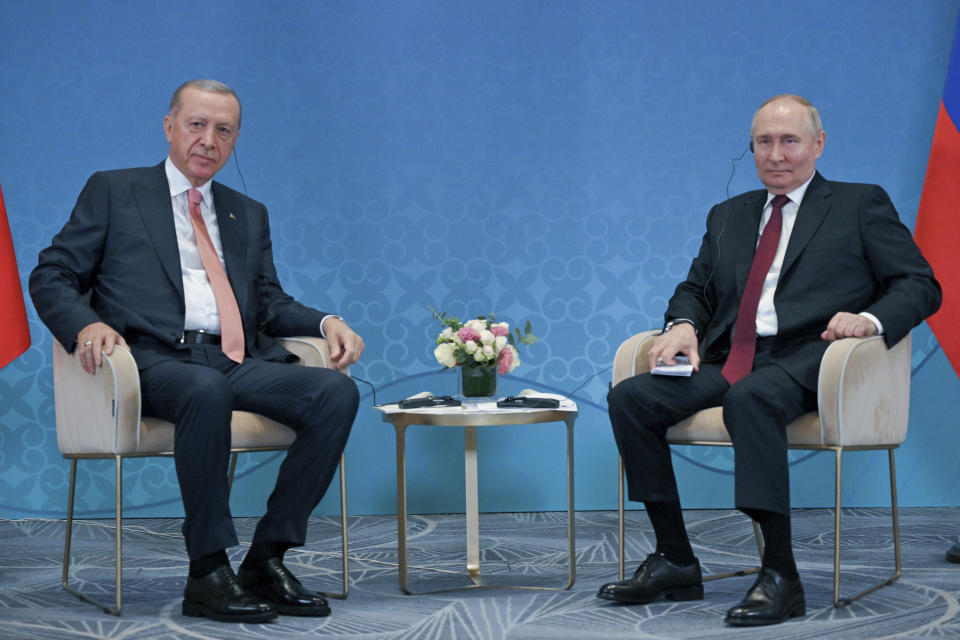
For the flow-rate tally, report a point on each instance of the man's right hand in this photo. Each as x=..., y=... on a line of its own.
x=94, y=340
x=682, y=338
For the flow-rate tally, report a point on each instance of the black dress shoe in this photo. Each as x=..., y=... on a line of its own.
x=657, y=577
x=274, y=582
x=220, y=597
x=771, y=600
x=953, y=554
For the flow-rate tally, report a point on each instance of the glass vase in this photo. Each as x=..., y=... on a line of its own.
x=478, y=381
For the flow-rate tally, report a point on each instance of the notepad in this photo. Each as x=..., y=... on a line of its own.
x=681, y=368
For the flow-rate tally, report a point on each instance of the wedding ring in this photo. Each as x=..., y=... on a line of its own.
x=88, y=343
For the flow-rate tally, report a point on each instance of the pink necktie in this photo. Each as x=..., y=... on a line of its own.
x=231, y=327
x=740, y=360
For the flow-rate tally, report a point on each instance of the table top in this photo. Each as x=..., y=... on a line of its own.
x=480, y=413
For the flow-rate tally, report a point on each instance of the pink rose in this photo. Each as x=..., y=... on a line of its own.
x=504, y=361
x=499, y=331
x=466, y=333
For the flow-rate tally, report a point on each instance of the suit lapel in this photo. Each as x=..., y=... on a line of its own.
x=813, y=209
x=152, y=195
x=233, y=240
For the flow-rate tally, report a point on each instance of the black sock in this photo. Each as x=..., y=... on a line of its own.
x=203, y=566
x=777, y=543
x=672, y=540
x=260, y=552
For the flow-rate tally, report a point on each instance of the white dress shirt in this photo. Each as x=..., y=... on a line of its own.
x=200, y=303
x=766, y=313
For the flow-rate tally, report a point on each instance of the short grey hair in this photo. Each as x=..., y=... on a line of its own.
x=813, y=116
x=203, y=84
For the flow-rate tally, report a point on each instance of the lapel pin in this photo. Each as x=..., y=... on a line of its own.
x=233, y=217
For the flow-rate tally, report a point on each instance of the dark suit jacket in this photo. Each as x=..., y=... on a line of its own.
x=120, y=245
x=848, y=252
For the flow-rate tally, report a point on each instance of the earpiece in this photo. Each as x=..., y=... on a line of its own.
x=725, y=205
x=236, y=162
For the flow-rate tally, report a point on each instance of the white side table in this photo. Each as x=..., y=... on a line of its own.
x=470, y=417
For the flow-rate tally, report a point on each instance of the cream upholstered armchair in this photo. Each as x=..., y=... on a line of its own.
x=864, y=399
x=99, y=417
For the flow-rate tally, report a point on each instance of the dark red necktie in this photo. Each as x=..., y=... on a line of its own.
x=740, y=361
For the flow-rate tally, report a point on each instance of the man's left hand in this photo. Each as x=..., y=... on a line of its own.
x=345, y=345
x=848, y=325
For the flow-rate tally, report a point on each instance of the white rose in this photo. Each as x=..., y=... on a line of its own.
x=487, y=338
x=500, y=343
x=488, y=351
x=479, y=355
x=516, y=358
x=477, y=325
x=470, y=346
x=444, y=354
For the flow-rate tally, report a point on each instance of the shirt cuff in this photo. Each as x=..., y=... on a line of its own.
x=874, y=320
x=325, y=318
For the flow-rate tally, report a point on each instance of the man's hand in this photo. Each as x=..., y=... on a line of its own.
x=848, y=325
x=93, y=340
x=345, y=345
x=682, y=338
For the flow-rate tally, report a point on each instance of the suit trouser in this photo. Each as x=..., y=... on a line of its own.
x=756, y=411
x=198, y=396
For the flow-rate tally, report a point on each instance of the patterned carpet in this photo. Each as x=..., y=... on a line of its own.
x=517, y=549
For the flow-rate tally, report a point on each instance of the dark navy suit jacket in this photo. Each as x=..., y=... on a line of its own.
x=120, y=247
x=848, y=252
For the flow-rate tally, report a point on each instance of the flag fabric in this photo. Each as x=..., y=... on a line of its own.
x=14, y=330
x=938, y=219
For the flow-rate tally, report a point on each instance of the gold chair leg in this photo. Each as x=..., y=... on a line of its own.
x=118, y=531
x=620, y=522
x=758, y=537
x=895, y=515
x=343, y=535
x=118, y=528
x=233, y=469
x=837, y=484
x=68, y=536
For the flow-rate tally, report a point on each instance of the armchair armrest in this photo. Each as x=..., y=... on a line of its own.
x=631, y=356
x=99, y=413
x=313, y=352
x=864, y=392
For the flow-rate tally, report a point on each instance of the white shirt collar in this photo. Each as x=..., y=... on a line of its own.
x=796, y=196
x=179, y=182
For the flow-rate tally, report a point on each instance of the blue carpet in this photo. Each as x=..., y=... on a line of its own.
x=520, y=549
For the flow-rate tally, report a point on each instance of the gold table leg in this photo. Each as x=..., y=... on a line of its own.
x=402, y=508
x=472, y=499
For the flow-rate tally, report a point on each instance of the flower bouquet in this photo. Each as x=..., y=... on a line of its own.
x=481, y=347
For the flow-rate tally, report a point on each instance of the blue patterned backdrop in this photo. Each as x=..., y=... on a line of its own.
x=547, y=161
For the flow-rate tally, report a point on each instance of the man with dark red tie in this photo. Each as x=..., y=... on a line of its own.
x=179, y=269
x=780, y=274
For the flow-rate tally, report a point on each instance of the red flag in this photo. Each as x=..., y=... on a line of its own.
x=14, y=331
x=938, y=220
